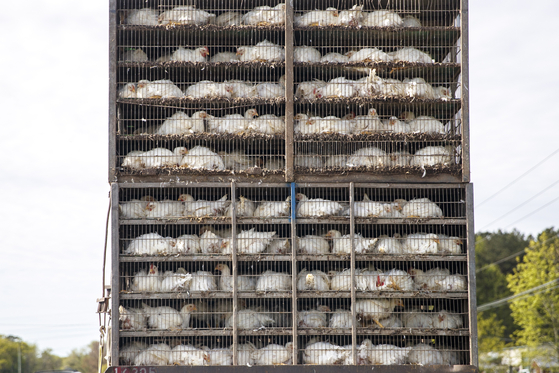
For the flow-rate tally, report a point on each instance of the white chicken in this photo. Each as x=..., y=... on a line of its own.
x=335, y=161
x=417, y=319
x=203, y=281
x=158, y=89
x=190, y=55
x=128, y=90
x=399, y=159
x=221, y=356
x=410, y=21
x=312, y=244
x=313, y=280
x=265, y=16
x=324, y=353
x=179, y=123
x=368, y=157
x=306, y=125
x=446, y=320
x=389, y=245
x=163, y=209
x=273, y=281
x=148, y=244
x=316, y=318
x=186, y=314
x=316, y=207
x=341, y=319
x=382, y=18
x=429, y=280
x=135, y=55
x=391, y=322
x=243, y=208
x=432, y=156
x=143, y=17
x=250, y=319
x=128, y=352
x=225, y=57
x=350, y=17
x=453, y=283
x=342, y=244
x=200, y=157
x=420, y=243
x=397, y=280
x=272, y=209
x=268, y=124
x=240, y=89
x=385, y=354
x=147, y=281
x=188, y=355
x=334, y=57
x=395, y=125
x=186, y=15
x=332, y=124
x=419, y=88
x=244, y=354
x=161, y=157
x=410, y=54
x=328, y=17
x=307, y=91
x=274, y=354
x=175, y=281
x=341, y=281
x=443, y=93
x=249, y=242
x=186, y=244
x=203, y=208
x=370, y=123
x=166, y=318
x=244, y=283
x=207, y=89
x=422, y=354
x=370, y=55
x=450, y=245
x=229, y=19
x=132, y=318
x=133, y=160
x=425, y=124
x=231, y=123
x=421, y=208
x=337, y=88
x=155, y=354
x=210, y=243
x=270, y=90
x=306, y=54
x=367, y=279
x=279, y=247
x=376, y=309
x=263, y=51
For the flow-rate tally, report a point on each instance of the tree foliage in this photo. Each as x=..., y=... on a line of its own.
x=491, y=282
x=33, y=360
x=537, y=314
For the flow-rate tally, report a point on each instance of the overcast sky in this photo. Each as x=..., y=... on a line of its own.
x=54, y=146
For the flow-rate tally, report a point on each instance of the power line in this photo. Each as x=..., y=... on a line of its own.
x=518, y=178
x=533, y=212
x=522, y=204
x=502, y=301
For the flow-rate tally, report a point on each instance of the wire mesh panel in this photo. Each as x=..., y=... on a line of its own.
x=377, y=88
x=200, y=88
x=328, y=274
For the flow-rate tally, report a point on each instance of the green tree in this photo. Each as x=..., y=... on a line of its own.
x=31, y=360
x=84, y=359
x=537, y=314
x=491, y=282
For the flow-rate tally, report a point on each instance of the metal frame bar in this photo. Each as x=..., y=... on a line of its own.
x=289, y=94
x=235, y=270
x=472, y=301
x=353, y=310
x=465, y=93
x=294, y=293
x=113, y=63
x=115, y=279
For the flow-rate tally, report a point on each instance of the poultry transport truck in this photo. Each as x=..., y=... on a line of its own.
x=290, y=186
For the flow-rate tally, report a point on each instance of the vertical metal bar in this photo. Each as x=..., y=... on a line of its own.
x=289, y=146
x=465, y=94
x=115, y=279
x=234, y=265
x=112, y=89
x=472, y=302
x=353, y=312
x=294, y=273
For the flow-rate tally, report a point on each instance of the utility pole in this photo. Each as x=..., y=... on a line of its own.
x=19, y=357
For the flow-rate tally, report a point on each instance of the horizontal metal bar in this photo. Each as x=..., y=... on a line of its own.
x=330, y=220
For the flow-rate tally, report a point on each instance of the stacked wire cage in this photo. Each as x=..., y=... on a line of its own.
x=248, y=143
